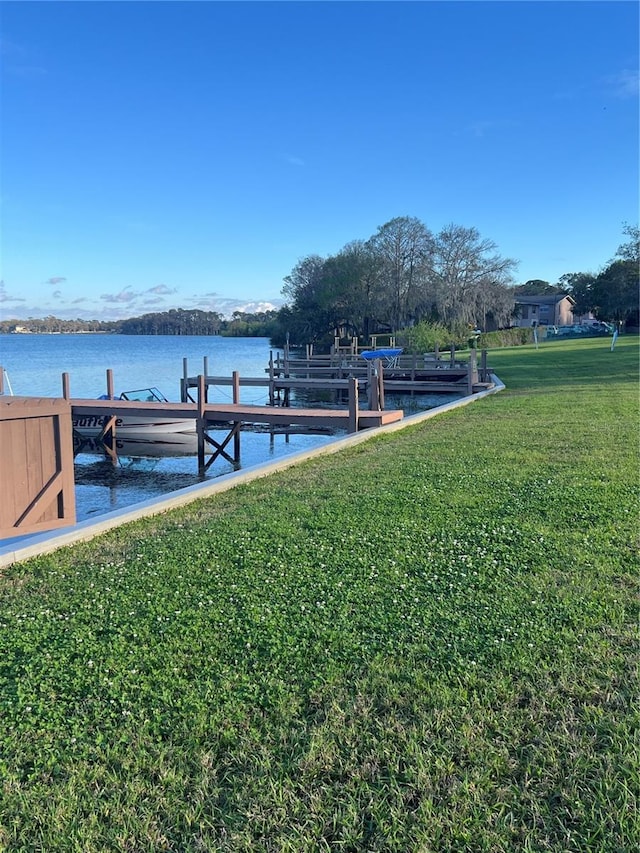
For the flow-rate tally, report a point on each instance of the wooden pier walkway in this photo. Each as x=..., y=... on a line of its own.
x=222, y=413
x=207, y=417
x=407, y=374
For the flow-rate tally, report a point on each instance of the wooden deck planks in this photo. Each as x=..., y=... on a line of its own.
x=234, y=413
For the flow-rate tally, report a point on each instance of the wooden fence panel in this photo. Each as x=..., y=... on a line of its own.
x=36, y=465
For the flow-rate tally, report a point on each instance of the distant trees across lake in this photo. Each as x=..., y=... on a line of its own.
x=177, y=321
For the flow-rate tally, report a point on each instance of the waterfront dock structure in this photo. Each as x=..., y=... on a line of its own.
x=431, y=373
x=339, y=371
x=342, y=370
x=210, y=417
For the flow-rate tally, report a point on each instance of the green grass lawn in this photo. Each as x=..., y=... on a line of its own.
x=427, y=642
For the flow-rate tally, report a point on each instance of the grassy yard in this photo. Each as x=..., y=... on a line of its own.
x=425, y=643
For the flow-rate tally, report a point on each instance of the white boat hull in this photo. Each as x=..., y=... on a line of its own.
x=133, y=427
x=175, y=444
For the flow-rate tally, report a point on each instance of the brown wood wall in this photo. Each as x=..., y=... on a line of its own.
x=36, y=465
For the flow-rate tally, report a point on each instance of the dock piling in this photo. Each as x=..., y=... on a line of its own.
x=472, y=370
x=184, y=388
x=238, y=426
x=200, y=425
x=353, y=405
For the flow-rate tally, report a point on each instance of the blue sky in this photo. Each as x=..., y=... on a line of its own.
x=187, y=154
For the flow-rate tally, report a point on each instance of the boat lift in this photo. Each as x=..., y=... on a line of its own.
x=389, y=354
x=375, y=359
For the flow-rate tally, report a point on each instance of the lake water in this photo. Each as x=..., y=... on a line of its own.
x=35, y=364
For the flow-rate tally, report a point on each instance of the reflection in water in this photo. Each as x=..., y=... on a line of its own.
x=152, y=469
x=141, y=470
x=409, y=402
x=173, y=444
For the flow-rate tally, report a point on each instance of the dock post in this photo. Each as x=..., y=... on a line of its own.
x=65, y=386
x=272, y=400
x=354, y=414
x=200, y=426
x=452, y=358
x=184, y=391
x=205, y=362
x=484, y=373
x=436, y=351
x=380, y=386
x=472, y=370
x=110, y=393
x=236, y=434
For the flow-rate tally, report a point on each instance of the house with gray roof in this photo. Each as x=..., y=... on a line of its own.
x=555, y=309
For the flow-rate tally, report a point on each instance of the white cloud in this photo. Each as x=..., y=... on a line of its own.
x=162, y=289
x=625, y=84
x=127, y=295
x=7, y=297
x=226, y=306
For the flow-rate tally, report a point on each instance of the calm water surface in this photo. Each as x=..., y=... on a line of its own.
x=35, y=364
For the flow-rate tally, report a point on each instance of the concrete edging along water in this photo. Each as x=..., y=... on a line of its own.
x=44, y=543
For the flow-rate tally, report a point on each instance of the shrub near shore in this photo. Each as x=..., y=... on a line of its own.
x=426, y=643
x=425, y=337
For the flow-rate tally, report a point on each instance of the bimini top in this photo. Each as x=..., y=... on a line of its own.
x=383, y=352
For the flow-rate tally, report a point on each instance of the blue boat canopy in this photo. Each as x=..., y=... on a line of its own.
x=383, y=352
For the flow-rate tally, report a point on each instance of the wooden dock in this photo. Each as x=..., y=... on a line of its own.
x=345, y=372
x=408, y=374
x=209, y=417
x=224, y=413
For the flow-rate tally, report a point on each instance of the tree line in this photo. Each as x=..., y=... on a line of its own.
x=177, y=321
x=614, y=293
x=404, y=276
x=401, y=277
